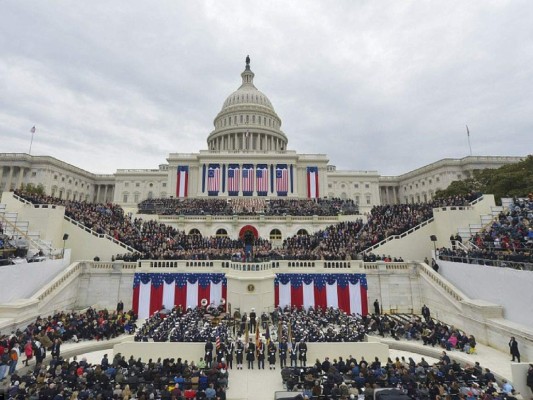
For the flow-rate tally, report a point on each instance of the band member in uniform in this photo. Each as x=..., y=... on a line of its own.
x=253, y=320
x=208, y=357
x=239, y=353
x=272, y=355
x=261, y=355
x=302, y=353
x=283, y=353
x=250, y=354
x=293, y=353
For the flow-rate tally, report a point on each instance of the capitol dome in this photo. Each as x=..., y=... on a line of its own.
x=247, y=121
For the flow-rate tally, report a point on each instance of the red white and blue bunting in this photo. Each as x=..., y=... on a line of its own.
x=154, y=291
x=347, y=292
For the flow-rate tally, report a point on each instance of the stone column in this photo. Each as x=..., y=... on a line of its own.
x=1, y=177
x=105, y=193
x=9, y=179
x=20, y=176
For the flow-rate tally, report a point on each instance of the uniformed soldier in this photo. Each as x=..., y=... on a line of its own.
x=261, y=355
x=283, y=353
x=250, y=354
x=293, y=354
x=272, y=355
x=230, y=348
x=302, y=353
x=239, y=353
x=253, y=320
x=208, y=357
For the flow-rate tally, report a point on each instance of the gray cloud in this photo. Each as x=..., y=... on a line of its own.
x=385, y=86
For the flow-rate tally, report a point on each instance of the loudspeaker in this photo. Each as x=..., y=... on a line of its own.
x=433, y=238
x=65, y=236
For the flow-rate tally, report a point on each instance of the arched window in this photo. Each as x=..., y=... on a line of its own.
x=221, y=233
x=302, y=232
x=195, y=231
x=275, y=234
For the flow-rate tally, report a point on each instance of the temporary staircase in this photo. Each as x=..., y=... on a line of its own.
x=15, y=228
x=485, y=220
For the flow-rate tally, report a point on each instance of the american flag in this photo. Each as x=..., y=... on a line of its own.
x=282, y=179
x=217, y=343
x=247, y=178
x=234, y=174
x=213, y=178
x=262, y=179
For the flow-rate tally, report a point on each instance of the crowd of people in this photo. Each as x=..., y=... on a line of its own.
x=349, y=378
x=48, y=333
x=507, y=241
x=178, y=325
x=280, y=338
x=252, y=206
x=120, y=378
x=154, y=240
x=298, y=324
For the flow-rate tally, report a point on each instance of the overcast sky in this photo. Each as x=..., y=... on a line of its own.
x=375, y=85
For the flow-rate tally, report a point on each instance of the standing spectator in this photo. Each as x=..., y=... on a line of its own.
x=40, y=355
x=376, y=307
x=14, y=355
x=28, y=351
x=513, y=348
x=426, y=313
x=56, y=349
x=120, y=306
x=4, y=361
x=452, y=241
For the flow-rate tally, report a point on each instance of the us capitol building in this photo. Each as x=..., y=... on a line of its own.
x=247, y=156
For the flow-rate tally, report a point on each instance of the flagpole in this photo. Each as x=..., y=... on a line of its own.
x=32, y=130
x=468, y=134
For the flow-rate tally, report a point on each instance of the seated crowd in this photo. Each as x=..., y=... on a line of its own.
x=47, y=334
x=120, y=379
x=177, y=325
x=349, y=378
x=511, y=231
x=153, y=240
x=251, y=206
x=508, y=239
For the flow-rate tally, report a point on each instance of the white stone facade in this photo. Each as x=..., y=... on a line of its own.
x=247, y=133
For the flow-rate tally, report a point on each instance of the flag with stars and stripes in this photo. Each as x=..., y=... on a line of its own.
x=262, y=179
x=155, y=291
x=347, y=292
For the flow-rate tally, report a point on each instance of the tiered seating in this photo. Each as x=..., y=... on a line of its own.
x=342, y=241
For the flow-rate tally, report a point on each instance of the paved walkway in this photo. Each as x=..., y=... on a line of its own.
x=262, y=384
